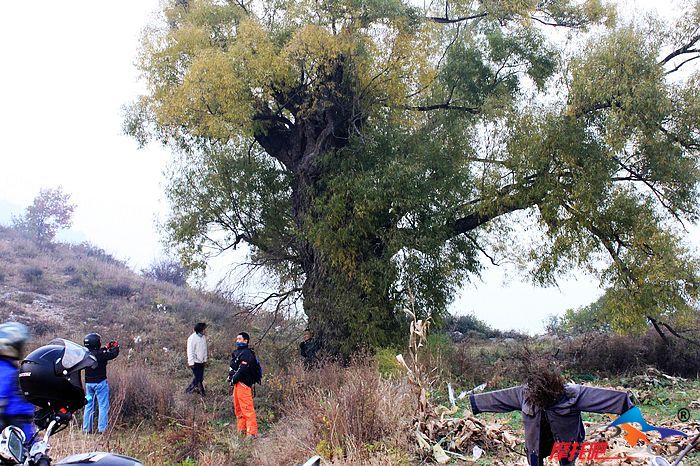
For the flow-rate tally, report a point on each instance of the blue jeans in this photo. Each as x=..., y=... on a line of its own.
x=101, y=392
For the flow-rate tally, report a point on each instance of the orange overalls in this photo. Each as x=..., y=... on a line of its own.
x=244, y=410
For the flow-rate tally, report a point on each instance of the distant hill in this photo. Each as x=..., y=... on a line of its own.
x=71, y=290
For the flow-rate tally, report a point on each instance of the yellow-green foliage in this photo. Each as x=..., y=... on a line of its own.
x=387, y=365
x=370, y=151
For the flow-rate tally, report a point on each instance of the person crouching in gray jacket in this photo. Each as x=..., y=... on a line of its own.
x=551, y=409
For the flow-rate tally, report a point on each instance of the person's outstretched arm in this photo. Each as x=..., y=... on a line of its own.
x=112, y=351
x=499, y=401
x=602, y=400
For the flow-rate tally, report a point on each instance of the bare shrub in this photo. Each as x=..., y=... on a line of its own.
x=90, y=250
x=25, y=298
x=167, y=270
x=137, y=394
x=344, y=414
x=121, y=290
x=32, y=275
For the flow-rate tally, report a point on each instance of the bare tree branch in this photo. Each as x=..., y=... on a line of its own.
x=447, y=20
x=680, y=51
x=683, y=63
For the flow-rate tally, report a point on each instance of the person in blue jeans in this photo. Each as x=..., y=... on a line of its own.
x=14, y=409
x=96, y=385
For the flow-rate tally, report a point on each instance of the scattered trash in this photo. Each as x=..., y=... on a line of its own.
x=657, y=453
x=477, y=389
x=652, y=377
x=477, y=452
x=440, y=455
x=451, y=395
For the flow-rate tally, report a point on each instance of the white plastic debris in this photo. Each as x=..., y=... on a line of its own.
x=440, y=455
x=477, y=389
x=451, y=395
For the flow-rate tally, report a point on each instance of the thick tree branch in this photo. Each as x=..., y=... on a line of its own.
x=444, y=106
x=682, y=50
x=276, y=118
x=690, y=145
x=686, y=450
x=592, y=108
x=275, y=140
x=447, y=20
x=557, y=24
x=506, y=204
x=682, y=337
x=658, y=329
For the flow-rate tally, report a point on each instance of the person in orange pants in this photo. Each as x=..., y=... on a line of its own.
x=244, y=372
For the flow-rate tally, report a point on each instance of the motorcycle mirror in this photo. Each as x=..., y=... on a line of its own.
x=12, y=445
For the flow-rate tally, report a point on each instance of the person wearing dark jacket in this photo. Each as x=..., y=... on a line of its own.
x=14, y=409
x=551, y=409
x=309, y=349
x=96, y=385
x=242, y=377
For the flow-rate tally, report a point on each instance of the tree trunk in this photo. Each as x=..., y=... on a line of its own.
x=344, y=314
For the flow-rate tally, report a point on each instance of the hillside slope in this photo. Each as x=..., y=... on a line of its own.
x=70, y=290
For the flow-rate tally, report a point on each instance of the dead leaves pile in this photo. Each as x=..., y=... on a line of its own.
x=465, y=437
x=643, y=455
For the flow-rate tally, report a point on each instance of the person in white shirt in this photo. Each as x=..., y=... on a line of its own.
x=197, y=357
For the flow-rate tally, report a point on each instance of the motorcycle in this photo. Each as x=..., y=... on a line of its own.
x=15, y=450
x=50, y=378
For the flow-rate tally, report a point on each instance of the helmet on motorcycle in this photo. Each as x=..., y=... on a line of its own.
x=92, y=341
x=13, y=336
x=49, y=376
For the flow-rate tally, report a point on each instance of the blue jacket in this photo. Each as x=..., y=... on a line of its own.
x=13, y=407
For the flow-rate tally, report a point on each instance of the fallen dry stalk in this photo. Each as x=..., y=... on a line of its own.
x=438, y=431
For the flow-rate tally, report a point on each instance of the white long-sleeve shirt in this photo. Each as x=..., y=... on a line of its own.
x=196, y=349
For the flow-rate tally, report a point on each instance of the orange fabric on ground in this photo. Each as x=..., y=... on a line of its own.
x=244, y=410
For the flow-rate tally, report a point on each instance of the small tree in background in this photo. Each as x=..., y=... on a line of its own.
x=50, y=212
x=167, y=270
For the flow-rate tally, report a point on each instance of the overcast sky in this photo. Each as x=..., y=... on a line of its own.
x=67, y=70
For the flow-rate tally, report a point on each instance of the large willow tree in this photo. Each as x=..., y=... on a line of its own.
x=373, y=152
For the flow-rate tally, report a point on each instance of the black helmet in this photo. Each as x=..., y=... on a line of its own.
x=92, y=341
x=49, y=376
x=13, y=336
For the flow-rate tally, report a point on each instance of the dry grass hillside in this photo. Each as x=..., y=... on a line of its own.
x=70, y=290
